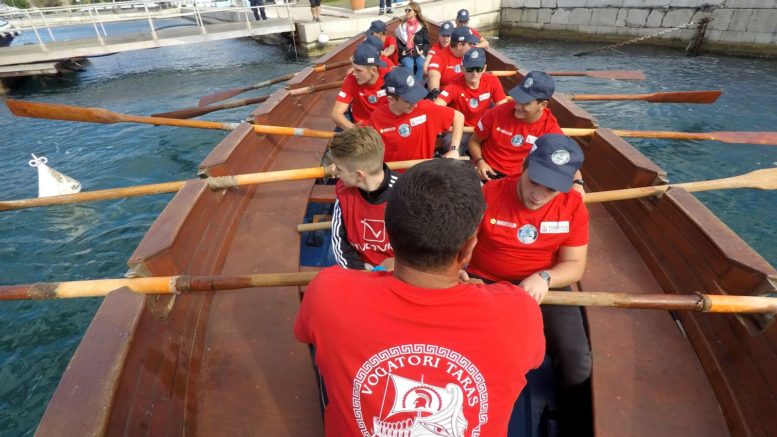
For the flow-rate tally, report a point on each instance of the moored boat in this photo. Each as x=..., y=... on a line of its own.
x=227, y=362
x=7, y=33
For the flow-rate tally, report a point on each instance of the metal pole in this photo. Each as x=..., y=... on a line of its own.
x=37, y=35
x=150, y=23
x=96, y=30
x=46, y=23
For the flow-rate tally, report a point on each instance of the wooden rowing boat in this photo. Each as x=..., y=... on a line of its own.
x=228, y=363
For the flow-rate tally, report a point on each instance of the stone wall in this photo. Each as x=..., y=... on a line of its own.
x=747, y=27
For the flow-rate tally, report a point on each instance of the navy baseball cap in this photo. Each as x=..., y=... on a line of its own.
x=463, y=34
x=374, y=41
x=462, y=15
x=446, y=28
x=376, y=26
x=537, y=85
x=366, y=54
x=400, y=81
x=553, y=162
x=475, y=57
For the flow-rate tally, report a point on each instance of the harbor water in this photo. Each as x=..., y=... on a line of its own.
x=94, y=240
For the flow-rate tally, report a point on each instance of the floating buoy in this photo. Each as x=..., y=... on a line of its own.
x=52, y=182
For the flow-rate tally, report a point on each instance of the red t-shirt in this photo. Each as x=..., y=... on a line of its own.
x=391, y=41
x=407, y=359
x=448, y=64
x=414, y=135
x=507, y=141
x=437, y=48
x=365, y=225
x=515, y=242
x=473, y=103
x=365, y=98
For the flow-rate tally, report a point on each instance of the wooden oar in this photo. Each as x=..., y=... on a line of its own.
x=709, y=96
x=601, y=74
x=223, y=95
x=765, y=179
x=710, y=303
x=172, y=187
x=98, y=115
x=202, y=110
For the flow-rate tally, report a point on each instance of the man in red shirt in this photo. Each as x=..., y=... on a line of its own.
x=535, y=234
x=409, y=124
x=359, y=239
x=443, y=41
x=418, y=351
x=462, y=20
x=389, y=47
x=445, y=66
x=506, y=133
x=378, y=44
x=362, y=89
x=473, y=93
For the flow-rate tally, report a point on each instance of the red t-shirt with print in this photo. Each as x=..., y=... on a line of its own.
x=414, y=135
x=364, y=98
x=437, y=48
x=515, y=242
x=391, y=41
x=399, y=359
x=507, y=141
x=473, y=102
x=448, y=64
x=365, y=224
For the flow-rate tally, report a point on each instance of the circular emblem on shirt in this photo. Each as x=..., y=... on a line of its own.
x=372, y=99
x=473, y=103
x=457, y=68
x=527, y=234
x=517, y=140
x=528, y=82
x=560, y=157
x=410, y=81
x=404, y=130
x=493, y=221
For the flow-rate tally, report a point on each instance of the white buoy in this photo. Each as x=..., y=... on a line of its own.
x=52, y=182
x=323, y=38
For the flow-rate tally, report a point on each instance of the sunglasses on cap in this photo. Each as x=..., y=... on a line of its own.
x=474, y=70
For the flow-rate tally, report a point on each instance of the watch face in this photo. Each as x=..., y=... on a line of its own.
x=545, y=275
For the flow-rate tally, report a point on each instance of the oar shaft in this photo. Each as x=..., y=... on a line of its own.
x=159, y=121
x=292, y=131
x=325, y=67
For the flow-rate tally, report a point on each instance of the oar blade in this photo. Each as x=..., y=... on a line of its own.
x=617, y=74
x=221, y=95
x=766, y=138
x=708, y=96
x=764, y=179
x=54, y=111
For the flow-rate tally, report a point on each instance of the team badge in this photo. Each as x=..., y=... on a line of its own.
x=527, y=234
x=374, y=230
x=404, y=130
x=410, y=81
x=474, y=102
x=560, y=157
x=528, y=82
x=457, y=68
x=517, y=140
x=474, y=55
x=372, y=99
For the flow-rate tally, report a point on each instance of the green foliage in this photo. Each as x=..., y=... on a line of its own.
x=21, y=4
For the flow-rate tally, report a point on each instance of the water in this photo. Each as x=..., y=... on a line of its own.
x=94, y=240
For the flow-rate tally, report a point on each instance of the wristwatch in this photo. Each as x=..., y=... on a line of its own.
x=545, y=275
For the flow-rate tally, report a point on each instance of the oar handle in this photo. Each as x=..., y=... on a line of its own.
x=292, y=131
x=325, y=67
x=315, y=88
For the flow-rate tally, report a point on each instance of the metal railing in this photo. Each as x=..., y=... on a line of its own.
x=97, y=14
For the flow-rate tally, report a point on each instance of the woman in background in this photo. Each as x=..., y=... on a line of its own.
x=413, y=40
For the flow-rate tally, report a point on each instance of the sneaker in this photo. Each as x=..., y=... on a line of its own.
x=389, y=11
x=381, y=12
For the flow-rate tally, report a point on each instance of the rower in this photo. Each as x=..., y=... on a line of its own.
x=443, y=41
x=409, y=124
x=462, y=20
x=389, y=48
x=445, y=66
x=506, y=133
x=418, y=351
x=359, y=239
x=378, y=44
x=362, y=89
x=474, y=92
x=535, y=234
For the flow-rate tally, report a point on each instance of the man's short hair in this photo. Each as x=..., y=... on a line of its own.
x=360, y=148
x=435, y=207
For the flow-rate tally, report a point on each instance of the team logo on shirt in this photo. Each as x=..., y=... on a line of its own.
x=516, y=140
x=560, y=157
x=473, y=103
x=527, y=234
x=374, y=230
x=457, y=68
x=419, y=390
x=404, y=130
x=372, y=98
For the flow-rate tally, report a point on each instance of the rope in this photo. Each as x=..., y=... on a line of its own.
x=634, y=40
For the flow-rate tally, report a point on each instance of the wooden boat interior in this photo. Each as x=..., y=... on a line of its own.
x=227, y=363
